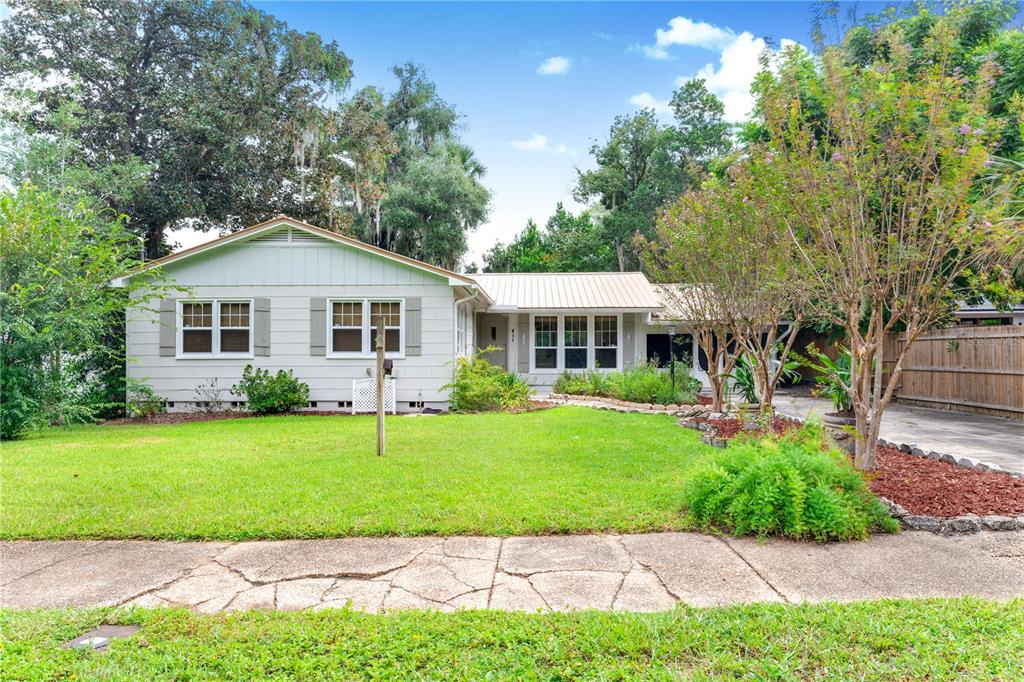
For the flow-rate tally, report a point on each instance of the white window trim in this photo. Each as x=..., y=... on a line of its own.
x=366, y=301
x=179, y=352
x=560, y=340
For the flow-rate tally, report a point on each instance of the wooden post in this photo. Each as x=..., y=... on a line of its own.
x=380, y=386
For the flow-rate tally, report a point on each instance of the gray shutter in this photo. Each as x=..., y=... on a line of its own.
x=168, y=327
x=628, y=331
x=261, y=326
x=524, y=342
x=318, y=326
x=413, y=326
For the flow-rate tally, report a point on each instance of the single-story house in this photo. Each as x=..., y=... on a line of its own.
x=287, y=295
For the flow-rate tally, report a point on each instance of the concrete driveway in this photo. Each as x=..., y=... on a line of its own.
x=992, y=440
x=630, y=572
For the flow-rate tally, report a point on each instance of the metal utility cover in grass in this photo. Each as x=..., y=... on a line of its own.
x=98, y=639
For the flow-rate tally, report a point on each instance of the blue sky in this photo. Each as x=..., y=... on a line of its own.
x=538, y=82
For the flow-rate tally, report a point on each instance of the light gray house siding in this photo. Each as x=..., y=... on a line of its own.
x=285, y=270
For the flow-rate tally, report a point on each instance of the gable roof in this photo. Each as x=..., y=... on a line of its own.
x=569, y=290
x=453, y=277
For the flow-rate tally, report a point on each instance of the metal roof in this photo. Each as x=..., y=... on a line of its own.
x=569, y=290
x=676, y=302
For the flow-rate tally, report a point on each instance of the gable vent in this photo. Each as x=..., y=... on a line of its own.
x=273, y=237
x=299, y=236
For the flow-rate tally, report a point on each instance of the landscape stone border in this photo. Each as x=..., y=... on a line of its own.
x=957, y=525
x=918, y=451
x=626, y=406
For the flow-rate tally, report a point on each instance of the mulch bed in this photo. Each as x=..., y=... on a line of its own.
x=728, y=428
x=933, y=488
x=923, y=486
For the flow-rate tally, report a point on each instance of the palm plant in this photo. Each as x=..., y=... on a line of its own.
x=833, y=377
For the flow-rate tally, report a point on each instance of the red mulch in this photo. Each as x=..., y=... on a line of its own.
x=934, y=488
x=728, y=428
x=704, y=400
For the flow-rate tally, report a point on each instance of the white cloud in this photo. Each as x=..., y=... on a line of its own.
x=738, y=64
x=689, y=33
x=555, y=66
x=541, y=143
x=646, y=100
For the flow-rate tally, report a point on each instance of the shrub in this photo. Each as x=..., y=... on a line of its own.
x=141, y=401
x=268, y=393
x=787, y=486
x=479, y=386
x=643, y=384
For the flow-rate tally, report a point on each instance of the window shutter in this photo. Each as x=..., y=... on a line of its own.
x=261, y=326
x=318, y=326
x=413, y=326
x=525, y=334
x=168, y=327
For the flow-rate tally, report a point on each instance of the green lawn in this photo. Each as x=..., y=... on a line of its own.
x=568, y=469
x=920, y=639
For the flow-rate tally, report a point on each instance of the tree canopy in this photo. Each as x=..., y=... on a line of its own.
x=567, y=243
x=200, y=93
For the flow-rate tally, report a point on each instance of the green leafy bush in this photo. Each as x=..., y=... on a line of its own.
x=479, y=386
x=786, y=486
x=268, y=393
x=646, y=383
x=141, y=400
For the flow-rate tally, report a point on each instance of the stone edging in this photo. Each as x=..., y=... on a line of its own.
x=957, y=525
x=966, y=462
x=918, y=451
x=626, y=406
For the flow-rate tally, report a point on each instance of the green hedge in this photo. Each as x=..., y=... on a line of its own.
x=788, y=486
x=644, y=384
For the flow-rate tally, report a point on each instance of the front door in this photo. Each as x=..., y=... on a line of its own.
x=492, y=330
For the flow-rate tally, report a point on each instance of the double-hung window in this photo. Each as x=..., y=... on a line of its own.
x=347, y=326
x=352, y=330
x=575, y=335
x=606, y=341
x=216, y=328
x=545, y=341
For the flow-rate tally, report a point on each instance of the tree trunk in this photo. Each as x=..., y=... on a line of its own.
x=154, y=242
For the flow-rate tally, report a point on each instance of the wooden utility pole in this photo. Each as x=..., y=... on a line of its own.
x=380, y=386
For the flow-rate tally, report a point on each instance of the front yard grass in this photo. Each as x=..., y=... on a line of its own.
x=562, y=470
x=935, y=639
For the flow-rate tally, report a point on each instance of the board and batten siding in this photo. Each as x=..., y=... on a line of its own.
x=289, y=275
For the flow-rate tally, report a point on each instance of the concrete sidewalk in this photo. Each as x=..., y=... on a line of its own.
x=630, y=572
x=992, y=440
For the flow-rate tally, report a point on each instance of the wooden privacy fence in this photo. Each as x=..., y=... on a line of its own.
x=968, y=369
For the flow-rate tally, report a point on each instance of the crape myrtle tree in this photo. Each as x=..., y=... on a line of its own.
x=742, y=280
x=887, y=199
x=207, y=95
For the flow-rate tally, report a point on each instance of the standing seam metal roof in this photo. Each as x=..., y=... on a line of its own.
x=566, y=290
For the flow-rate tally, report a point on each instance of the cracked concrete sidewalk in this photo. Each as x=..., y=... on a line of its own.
x=649, y=572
